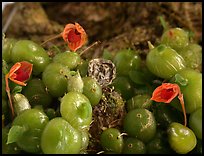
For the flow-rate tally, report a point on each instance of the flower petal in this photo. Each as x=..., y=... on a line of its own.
x=74, y=46
x=83, y=33
x=20, y=72
x=24, y=72
x=13, y=69
x=75, y=36
x=165, y=93
x=66, y=31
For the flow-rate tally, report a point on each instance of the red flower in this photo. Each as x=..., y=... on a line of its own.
x=19, y=74
x=74, y=35
x=166, y=93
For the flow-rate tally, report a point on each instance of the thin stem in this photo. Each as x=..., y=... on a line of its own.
x=9, y=96
x=52, y=38
x=163, y=23
x=95, y=43
x=183, y=108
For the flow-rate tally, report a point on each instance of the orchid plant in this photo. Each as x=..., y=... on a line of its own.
x=166, y=93
x=19, y=73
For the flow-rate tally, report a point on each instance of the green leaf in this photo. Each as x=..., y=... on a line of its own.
x=15, y=133
x=163, y=23
x=17, y=89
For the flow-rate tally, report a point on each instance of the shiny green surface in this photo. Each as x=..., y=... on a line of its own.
x=54, y=78
x=69, y=59
x=164, y=61
x=34, y=121
x=140, y=123
x=27, y=50
x=125, y=61
x=176, y=38
x=76, y=109
x=92, y=90
x=181, y=139
x=59, y=137
x=111, y=140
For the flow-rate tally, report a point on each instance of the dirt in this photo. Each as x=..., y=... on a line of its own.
x=116, y=25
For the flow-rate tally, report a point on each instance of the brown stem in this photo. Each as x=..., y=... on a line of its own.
x=9, y=96
x=183, y=108
x=52, y=38
x=95, y=43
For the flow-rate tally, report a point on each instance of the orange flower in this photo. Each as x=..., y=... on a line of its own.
x=19, y=74
x=74, y=35
x=166, y=93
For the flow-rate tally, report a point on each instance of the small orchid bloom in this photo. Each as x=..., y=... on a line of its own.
x=19, y=74
x=166, y=93
x=75, y=36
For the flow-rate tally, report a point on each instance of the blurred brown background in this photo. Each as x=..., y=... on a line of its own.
x=116, y=24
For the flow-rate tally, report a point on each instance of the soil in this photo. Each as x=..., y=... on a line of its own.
x=116, y=25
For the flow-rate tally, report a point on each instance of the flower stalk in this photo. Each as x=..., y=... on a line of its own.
x=73, y=34
x=19, y=74
x=166, y=93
